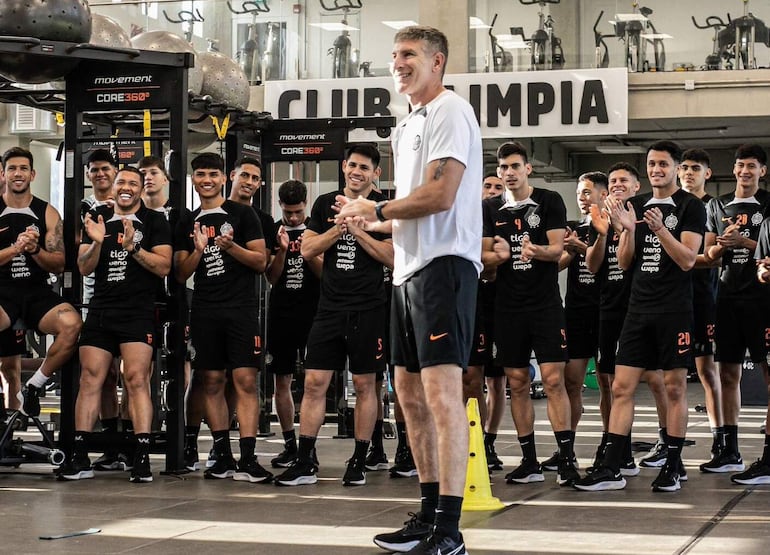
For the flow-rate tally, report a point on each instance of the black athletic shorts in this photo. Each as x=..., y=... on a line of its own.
x=286, y=339
x=481, y=349
x=356, y=336
x=704, y=312
x=432, y=315
x=13, y=342
x=741, y=325
x=108, y=329
x=656, y=341
x=28, y=303
x=609, y=334
x=225, y=339
x=541, y=331
x=582, y=333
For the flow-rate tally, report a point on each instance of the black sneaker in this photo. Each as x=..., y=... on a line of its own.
x=601, y=479
x=629, y=468
x=284, y=459
x=376, y=460
x=355, y=473
x=224, y=467
x=440, y=545
x=191, y=458
x=141, y=473
x=29, y=397
x=598, y=459
x=111, y=461
x=528, y=471
x=567, y=474
x=299, y=474
x=724, y=462
x=656, y=457
x=667, y=480
x=493, y=461
x=682, y=472
x=212, y=458
x=757, y=474
x=78, y=467
x=252, y=471
x=403, y=466
x=551, y=464
x=406, y=538
x=3, y=412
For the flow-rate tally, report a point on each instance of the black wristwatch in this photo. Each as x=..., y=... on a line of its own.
x=136, y=249
x=378, y=210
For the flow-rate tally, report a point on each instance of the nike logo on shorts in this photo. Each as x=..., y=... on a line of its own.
x=434, y=337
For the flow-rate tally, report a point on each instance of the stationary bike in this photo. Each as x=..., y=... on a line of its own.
x=346, y=63
x=546, y=51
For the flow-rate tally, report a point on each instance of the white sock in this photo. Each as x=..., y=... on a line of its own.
x=38, y=379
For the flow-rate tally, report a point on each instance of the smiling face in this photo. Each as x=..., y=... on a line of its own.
x=417, y=70
x=661, y=171
x=18, y=175
x=127, y=190
x=208, y=183
x=246, y=180
x=748, y=172
x=623, y=184
x=101, y=174
x=360, y=173
x=588, y=194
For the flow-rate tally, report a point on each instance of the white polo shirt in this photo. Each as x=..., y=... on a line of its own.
x=446, y=127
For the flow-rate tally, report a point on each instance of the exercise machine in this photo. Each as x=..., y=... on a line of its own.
x=502, y=60
x=602, y=52
x=635, y=30
x=713, y=60
x=188, y=19
x=248, y=56
x=737, y=39
x=16, y=451
x=545, y=47
x=344, y=56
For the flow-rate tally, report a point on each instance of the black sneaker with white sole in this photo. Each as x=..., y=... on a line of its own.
x=355, y=473
x=376, y=460
x=601, y=479
x=191, y=458
x=301, y=473
x=251, y=471
x=629, y=468
x=141, y=472
x=527, y=472
x=284, y=459
x=223, y=468
x=78, y=467
x=493, y=461
x=403, y=466
x=724, y=462
x=756, y=475
x=406, y=538
x=668, y=479
x=567, y=474
x=440, y=545
x=112, y=461
x=656, y=457
x=29, y=397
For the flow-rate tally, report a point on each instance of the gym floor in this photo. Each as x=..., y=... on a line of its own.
x=190, y=515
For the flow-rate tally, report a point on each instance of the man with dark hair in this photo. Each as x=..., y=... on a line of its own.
x=349, y=324
x=694, y=171
x=524, y=240
x=31, y=247
x=291, y=309
x=155, y=193
x=127, y=248
x=221, y=243
x=732, y=228
x=581, y=302
x=436, y=233
x=660, y=249
x=246, y=179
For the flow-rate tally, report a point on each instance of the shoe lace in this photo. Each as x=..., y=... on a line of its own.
x=414, y=520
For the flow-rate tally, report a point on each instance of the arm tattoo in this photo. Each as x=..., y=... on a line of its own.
x=55, y=243
x=440, y=168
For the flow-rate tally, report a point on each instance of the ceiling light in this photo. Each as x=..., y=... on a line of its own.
x=400, y=23
x=477, y=23
x=620, y=149
x=334, y=26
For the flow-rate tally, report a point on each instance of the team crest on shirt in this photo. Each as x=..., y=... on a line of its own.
x=533, y=221
x=756, y=218
x=417, y=142
x=671, y=221
x=226, y=229
x=138, y=236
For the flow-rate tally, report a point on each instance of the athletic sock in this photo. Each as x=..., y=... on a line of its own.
x=110, y=425
x=766, y=451
x=222, y=443
x=731, y=439
x=428, y=501
x=81, y=443
x=142, y=445
x=305, y=448
x=489, y=438
x=565, y=440
x=360, y=449
x=663, y=435
x=401, y=433
x=627, y=454
x=247, y=445
x=377, y=437
x=675, y=445
x=290, y=441
x=191, y=435
x=613, y=454
x=38, y=379
x=718, y=443
x=127, y=425
x=448, y=516
x=528, y=450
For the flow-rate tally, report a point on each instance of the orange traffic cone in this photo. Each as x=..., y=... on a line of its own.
x=478, y=491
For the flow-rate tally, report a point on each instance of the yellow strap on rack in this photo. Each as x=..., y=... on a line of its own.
x=221, y=129
x=59, y=119
x=147, y=132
